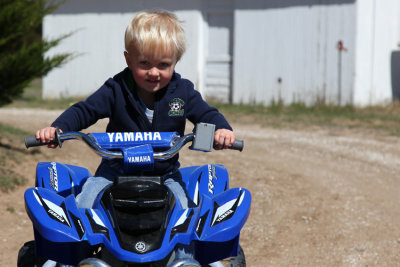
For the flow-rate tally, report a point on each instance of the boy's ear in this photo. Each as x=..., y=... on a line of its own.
x=127, y=60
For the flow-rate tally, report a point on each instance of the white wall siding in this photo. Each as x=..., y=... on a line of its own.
x=98, y=42
x=291, y=54
x=378, y=36
x=280, y=50
x=190, y=66
x=98, y=53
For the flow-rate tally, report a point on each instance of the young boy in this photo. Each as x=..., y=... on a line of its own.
x=146, y=96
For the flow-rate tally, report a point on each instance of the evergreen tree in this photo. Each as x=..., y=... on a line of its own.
x=22, y=48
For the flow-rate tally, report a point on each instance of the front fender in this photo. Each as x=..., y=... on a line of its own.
x=206, y=180
x=61, y=178
x=223, y=216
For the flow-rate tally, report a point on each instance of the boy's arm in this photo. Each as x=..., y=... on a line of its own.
x=200, y=111
x=81, y=115
x=85, y=113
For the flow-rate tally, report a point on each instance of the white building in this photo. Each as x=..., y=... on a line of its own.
x=253, y=51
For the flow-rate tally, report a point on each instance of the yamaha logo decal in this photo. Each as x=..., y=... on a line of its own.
x=140, y=246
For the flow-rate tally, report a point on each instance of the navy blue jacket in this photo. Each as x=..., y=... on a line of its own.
x=118, y=101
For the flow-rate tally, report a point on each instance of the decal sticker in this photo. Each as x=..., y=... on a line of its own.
x=57, y=213
x=182, y=219
x=226, y=211
x=241, y=197
x=97, y=219
x=182, y=224
x=196, y=197
x=201, y=223
x=211, y=175
x=134, y=136
x=140, y=246
x=176, y=107
x=37, y=198
x=139, y=159
x=196, y=194
x=53, y=176
x=78, y=225
x=97, y=224
x=223, y=212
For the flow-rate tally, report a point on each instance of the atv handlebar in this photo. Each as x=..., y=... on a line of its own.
x=31, y=141
x=237, y=145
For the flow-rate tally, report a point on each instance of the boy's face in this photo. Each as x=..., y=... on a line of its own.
x=151, y=72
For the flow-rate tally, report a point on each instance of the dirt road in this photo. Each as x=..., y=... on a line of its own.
x=321, y=197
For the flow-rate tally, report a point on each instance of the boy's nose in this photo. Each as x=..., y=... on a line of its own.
x=153, y=72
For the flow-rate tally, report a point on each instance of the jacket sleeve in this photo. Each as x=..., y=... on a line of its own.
x=200, y=111
x=85, y=113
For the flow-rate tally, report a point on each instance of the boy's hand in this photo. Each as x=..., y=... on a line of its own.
x=47, y=135
x=223, y=138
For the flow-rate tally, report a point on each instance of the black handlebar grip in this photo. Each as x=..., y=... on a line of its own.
x=31, y=141
x=238, y=145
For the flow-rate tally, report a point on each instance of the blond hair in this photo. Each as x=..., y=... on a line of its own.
x=156, y=32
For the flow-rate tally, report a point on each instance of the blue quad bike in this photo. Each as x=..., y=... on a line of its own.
x=136, y=221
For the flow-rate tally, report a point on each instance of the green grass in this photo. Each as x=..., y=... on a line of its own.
x=11, y=209
x=11, y=131
x=10, y=156
x=10, y=182
x=298, y=115
x=32, y=98
x=40, y=103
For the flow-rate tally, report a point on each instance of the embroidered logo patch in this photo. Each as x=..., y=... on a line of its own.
x=176, y=107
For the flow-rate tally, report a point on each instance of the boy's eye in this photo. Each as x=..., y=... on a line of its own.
x=164, y=64
x=143, y=62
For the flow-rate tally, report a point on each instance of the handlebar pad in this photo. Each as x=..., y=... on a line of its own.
x=237, y=145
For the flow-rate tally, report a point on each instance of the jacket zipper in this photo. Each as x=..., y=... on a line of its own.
x=156, y=102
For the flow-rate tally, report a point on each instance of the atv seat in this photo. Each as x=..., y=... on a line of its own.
x=137, y=192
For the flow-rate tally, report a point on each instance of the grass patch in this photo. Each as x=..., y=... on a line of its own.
x=10, y=182
x=10, y=157
x=11, y=209
x=9, y=130
x=53, y=104
x=32, y=98
x=298, y=115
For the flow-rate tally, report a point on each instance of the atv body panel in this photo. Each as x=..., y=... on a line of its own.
x=215, y=222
